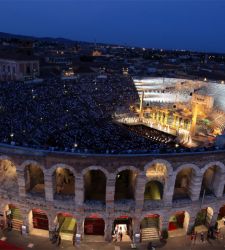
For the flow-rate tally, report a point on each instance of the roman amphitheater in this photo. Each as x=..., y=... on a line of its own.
x=87, y=195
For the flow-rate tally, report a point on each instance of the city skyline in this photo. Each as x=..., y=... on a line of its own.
x=188, y=25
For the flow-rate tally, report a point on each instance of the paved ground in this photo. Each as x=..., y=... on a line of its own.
x=40, y=243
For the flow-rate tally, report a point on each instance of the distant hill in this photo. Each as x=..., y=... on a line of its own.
x=48, y=39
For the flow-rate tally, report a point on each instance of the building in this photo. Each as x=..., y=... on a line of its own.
x=18, y=68
x=91, y=194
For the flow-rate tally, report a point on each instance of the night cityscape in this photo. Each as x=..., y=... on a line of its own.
x=112, y=124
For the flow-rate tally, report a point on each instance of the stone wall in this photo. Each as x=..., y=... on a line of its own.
x=111, y=165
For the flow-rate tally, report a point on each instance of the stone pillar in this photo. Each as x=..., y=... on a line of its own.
x=79, y=192
x=163, y=223
x=21, y=182
x=169, y=190
x=195, y=186
x=139, y=192
x=48, y=187
x=108, y=229
x=218, y=184
x=191, y=224
x=110, y=193
x=80, y=226
x=214, y=218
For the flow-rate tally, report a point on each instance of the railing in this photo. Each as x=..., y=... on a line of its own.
x=159, y=151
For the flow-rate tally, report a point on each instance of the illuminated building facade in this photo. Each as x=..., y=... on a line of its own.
x=89, y=194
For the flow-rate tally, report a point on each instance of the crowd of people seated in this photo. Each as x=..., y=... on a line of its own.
x=66, y=114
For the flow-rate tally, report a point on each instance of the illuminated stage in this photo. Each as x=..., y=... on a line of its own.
x=193, y=111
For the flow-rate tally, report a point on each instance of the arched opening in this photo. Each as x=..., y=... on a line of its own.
x=13, y=217
x=34, y=180
x=94, y=225
x=94, y=186
x=63, y=184
x=221, y=217
x=203, y=219
x=125, y=185
x=209, y=181
x=178, y=224
x=38, y=223
x=8, y=177
x=66, y=226
x=182, y=189
x=122, y=229
x=150, y=227
x=153, y=190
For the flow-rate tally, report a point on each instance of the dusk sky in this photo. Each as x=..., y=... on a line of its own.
x=182, y=24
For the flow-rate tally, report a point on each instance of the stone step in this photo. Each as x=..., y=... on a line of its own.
x=17, y=224
x=150, y=234
x=66, y=236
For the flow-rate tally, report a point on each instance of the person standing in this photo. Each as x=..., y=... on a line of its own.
x=195, y=237
x=202, y=237
x=59, y=240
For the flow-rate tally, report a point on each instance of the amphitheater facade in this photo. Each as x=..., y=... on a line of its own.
x=87, y=187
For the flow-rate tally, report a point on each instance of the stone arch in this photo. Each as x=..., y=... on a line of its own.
x=160, y=161
x=153, y=190
x=179, y=220
x=34, y=175
x=66, y=222
x=204, y=216
x=62, y=165
x=97, y=222
x=188, y=165
x=160, y=213
x=122, y=168
x=63, y=181
x=95, y=189
x=218, y=164
x=125, y=178
x=84, y=171
x=8, y=175
x=38, y=219
x=28, y=162
x=6, y=157
x=184, y=181
x=212, y=179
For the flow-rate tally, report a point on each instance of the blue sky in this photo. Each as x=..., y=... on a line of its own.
x=170, y=24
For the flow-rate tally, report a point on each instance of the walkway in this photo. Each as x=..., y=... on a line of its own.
x=40, y=243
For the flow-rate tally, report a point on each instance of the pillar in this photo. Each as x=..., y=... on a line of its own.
x=218, y=184
x=21, y=182
x=108, y=229
x=79, y=192
x=139, y=192
x=191, y=224
x=162, y=118
x=110, y=193
x=166, y=118
x=48, y=187
x=195, y=186
x=214, y=218
x=169, y=190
